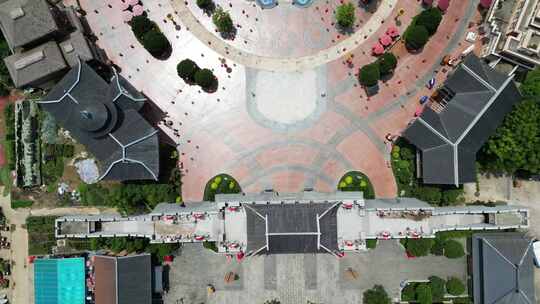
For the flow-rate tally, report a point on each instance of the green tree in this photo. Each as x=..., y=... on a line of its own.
x=141, y=25
x=155, y=42
x=205, y=4
x=369, y=75
x=454, y=286
x=437, y=288
x=430, y=18
x=376, y=295
x=416, y=37
x=345, y=15
x=419, y=247
x=423, y=294
x=453, y=249
x=205, y=78
x=429, y=194
x=516, y=143
x=531, y=85
x=187, y=69
x=387, y=63
x=222, y=20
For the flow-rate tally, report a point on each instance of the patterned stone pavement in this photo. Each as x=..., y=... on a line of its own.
x=282, y=122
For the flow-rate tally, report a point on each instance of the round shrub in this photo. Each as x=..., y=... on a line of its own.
x=141, y=25
x=395, y=155
x=348, y=179
x=222, y=20
x=376, y=295
x=345, y=15
x=205, y=78
x=437, y=288
x=155, y=42
x=187, y=69
x=438, y=247
x=369, y=75
x=416, y=37
x=205, y=4
x=423, y=294
x=453, y=249
x=430, y=18
x=387, y=63
x=455, y=287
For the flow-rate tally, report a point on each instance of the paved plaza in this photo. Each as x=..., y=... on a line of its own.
x=298, y=278
x=289, y=113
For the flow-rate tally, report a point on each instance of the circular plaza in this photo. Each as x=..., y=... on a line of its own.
x=287, y=112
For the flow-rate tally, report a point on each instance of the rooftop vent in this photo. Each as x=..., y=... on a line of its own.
x=68, y=47
x=16, y=13
x=29, y=59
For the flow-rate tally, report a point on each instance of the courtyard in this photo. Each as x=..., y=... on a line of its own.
x=300, y=278
x=288, y=113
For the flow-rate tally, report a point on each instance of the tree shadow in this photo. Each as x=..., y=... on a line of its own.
x=213, y=88
x=209, y=10
x=231, y=35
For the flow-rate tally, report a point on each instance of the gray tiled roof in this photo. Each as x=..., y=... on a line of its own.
x=35, y=21
x=35, y=66
x=134, y=279
x=450, y=139
x=76, y=47
x=292, y=228
x=125, y=144
x=503, y=269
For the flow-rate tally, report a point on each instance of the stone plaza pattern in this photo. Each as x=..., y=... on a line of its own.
x=307, y=222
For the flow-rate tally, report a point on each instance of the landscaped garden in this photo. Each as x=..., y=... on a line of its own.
x=150, y=36
x=376, y=295
x=404, y=168
x=357, y=181
x=40, y=234
x=444, y=243
x=435, y=290
x=220, y=184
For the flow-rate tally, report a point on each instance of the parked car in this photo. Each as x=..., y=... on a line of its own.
x=536, y=251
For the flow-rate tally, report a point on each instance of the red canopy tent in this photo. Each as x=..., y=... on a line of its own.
x=443, y=5
x=385, y=40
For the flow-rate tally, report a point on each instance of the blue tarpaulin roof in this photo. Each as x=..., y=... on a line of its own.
x=59, y=281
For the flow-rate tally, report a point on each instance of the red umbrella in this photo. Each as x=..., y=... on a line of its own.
x=137, y=10
x=385, y=40
x=428, y=2
x=392, y=31
x=377, y=49
x=486, y=3
x=123, y=5
x=127, y=16
x=443, y=5
x=418, y=111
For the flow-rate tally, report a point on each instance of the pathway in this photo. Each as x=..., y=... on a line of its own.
x=384, y=12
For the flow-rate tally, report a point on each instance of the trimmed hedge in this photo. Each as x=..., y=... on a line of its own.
x=205, y=78
x=187, y=69
x=418, y=247
x=453, y=249
x=371, y=243
x=430, y=19
x=21, y=204
x=387, y=63
x=150, y=36
x=423, y=294
x=437, y=288
x=369, y=75
x=416, y=37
